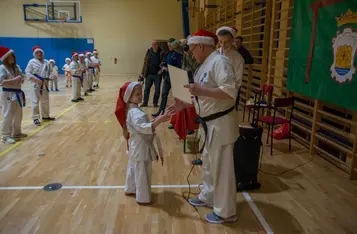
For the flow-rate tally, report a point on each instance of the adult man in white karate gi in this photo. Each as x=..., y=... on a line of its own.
x=215, y=93
x=38, y=71
x=97, y=64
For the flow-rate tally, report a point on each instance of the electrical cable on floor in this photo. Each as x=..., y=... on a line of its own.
x=189, y=192
x=288, y=170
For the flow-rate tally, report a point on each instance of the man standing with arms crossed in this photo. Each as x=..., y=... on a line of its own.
x=215, y=93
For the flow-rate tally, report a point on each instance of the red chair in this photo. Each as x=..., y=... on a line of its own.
x=276, y=120
x=265, y=94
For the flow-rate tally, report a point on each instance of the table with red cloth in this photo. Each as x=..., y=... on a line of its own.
x=184, y=121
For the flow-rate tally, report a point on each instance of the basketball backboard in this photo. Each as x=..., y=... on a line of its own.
x=54, y=11
x=67, y=11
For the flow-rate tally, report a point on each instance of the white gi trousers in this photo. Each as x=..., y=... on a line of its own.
x=90, y=78
x=138, y=180
x=38, y=100
x=218, y=178
x=55, y=82
x=76, y=88
x=85, y=82
x=96, y=77
x=11, y=114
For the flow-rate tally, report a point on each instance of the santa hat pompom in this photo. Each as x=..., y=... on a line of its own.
x=74, y=54
x=203, y=37
x=35, y=49
x=231, y=29
x=4, y=53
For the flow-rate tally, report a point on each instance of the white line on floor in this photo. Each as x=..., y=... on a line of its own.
x=257, y=213
x=95, y=187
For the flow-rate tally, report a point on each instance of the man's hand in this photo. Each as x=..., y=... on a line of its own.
x=195, y=89
x=177, y=106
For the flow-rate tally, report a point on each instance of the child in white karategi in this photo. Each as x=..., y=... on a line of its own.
x=67, y=69
x=140, y=133
x=12, y=97
x=97, y=64
x=77, y=78
x=54, y=75
x=38, y=71
x=84, y=69
x=91, y=71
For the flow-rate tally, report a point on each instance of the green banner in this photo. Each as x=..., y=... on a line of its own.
x=322, y=58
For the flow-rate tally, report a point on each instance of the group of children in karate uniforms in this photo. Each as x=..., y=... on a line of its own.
x=39, y=72
x=83, y=71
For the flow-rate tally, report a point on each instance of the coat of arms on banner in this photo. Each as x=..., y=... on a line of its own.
x=344, y=47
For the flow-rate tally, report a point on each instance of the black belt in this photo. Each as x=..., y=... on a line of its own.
x=202, y=121
x=80, y=78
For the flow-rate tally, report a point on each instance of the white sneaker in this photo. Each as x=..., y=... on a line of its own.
x=8, y=140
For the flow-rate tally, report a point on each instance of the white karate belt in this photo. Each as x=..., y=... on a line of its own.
x=159, y=147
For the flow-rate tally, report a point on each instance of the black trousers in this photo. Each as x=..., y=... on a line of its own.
x=149, y=81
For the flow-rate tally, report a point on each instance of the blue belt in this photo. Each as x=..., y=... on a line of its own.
x=93, y=69
x=42, y=79
x=17, y=91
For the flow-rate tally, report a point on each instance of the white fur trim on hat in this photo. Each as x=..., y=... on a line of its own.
x=6, y=55
x=51, y=60
x=36, y=50
x=201, y=40
x=95, y=52
x=81, y=55
x=67, y=59
x=74, y=55
x=229, y=29
x=129, y=90
x=88, y=53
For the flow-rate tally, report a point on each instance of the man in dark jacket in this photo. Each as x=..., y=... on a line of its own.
x=153, y=58
x=238, y=43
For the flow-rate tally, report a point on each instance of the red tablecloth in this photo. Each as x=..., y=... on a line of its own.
x=184, y=121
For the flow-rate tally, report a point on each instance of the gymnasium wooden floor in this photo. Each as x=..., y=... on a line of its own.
x=84, y=148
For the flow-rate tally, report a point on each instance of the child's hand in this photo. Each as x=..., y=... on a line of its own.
x=163, y=117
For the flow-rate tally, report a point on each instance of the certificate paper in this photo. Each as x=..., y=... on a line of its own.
x=179, y=78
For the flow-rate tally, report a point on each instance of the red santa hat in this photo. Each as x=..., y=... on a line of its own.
x=233, y=30
x=81, y=55
x=74, y=54
x=4, y=53
x=203, y=37
x=88, y=53
x=95, y=51
x=123, y=98
x=52, y=60
x=35, y=49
